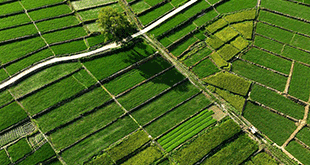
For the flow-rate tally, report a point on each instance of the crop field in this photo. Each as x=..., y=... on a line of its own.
x=219, y=82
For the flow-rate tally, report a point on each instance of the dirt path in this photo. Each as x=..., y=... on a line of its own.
x=287, y=86
x=102, y=49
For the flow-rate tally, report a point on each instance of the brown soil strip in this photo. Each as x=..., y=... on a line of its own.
x=287, y=86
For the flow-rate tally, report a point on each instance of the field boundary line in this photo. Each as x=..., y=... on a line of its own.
x=286, y=15
x=289, y=79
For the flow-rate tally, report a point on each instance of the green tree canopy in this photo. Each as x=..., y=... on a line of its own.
x=115, y=25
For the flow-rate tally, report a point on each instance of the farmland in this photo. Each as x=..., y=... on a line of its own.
x=218, y=82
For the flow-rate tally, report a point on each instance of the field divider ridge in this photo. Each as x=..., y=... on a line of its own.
x=286, y=15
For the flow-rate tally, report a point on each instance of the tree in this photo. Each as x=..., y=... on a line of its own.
x=115, y=25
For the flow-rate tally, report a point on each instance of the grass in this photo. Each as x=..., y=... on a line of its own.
x=165, y=102
x=150, y=89
x=135, y=76
x=57, y=23
x=215, y=26
x=268, y=60
x=4, y=159
x=40, y=155
x=205, y=18
x=203, y=144
x=287, y=7
x=88, y=124
x=285, y=22
x=229, y=82
x=277, y=102
x=19, y=149
x=261, y=158
x=214, y=42
x=181, y=47
x=17, y=32
x=43, y=77
x=31, y=4
x=49, y=12
x=240, y=43
x=298, y=151
x=237, y=5
x=296, y=54
x=226, y=34
x=147, y=156
x=235, y=100
x=99, y=141
x=140, y=6
x=64, y=35
x=300, y=83
x=205, y=68
x=152, y=15
x=301, y=42
x=237, y=151
x=273, y=32
x=303, y=135
x=56, y=93
x=260, y=75
x=128, y=145
x=69, y=48
x=77, y=5
x=118, y=60
x=5, y=97
x=228, y=52
x=14, y=20
x=276, y=127
x=245, y=28
x=17, y=66
x=11, y=114
x=16, y=50
x=197, y=56
x=267, y=44
x=73, y=109
x=177, y=115
x=241, y=16
x=10, y=8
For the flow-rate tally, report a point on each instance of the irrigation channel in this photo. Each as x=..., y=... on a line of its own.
x=34, y=68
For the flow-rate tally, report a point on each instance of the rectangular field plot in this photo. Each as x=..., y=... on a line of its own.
x=300, y=83
x=147, y=156
x=3, y=75
x=235, y=100
x=95, y=40
x=205, y=68
x=19, y=149
x=136, y=76
x=285, y=22
x=49, y=12
x=64, y=35
x=268, y=44
x=268, y=60
x=260, y=75
x=43, y=77
x=57, y=23
x=93, y=13
x=287, y=7
x=11, y=114
x=164, y=103
x=276, y=127
x=14, y=20
x=152, y=15
x=82, y=4
x=241, y=16
x=88, y=124
x=301, y=42
x=235, y=5
x=186, y=130
x=17, y=32
x=21, y=64
x=43, y=153
x=179, y=114
x=263, y=158
x=56, y=92
x=202, y=145
x=277, y=102
x=229, y=82
x=111, y=63
x=5, y=97
x=194, y=58
x=152, y=88
x=69, y=48
x=18, y=49
x=73, y=109
x=201, y=20
x=245, y=28
x=296, y=54
x=236, y=151
x=86, y=148
x=298, y=151
x=4, y=159
x=31, y=4
x=182, y=46
x=10, y=8
x=273, y=32
x=140, y=6
x=303, y=135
